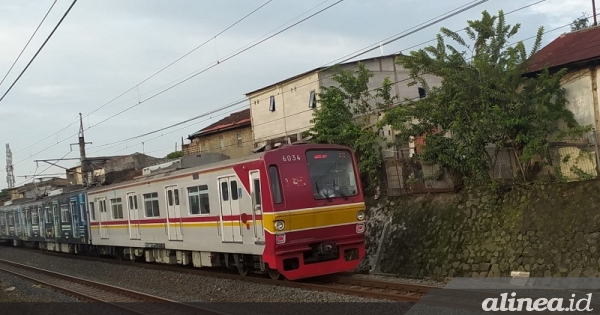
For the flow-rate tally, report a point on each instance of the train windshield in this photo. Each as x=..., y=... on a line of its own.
x=332, y=173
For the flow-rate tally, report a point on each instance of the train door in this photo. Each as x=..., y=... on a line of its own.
x=36, y=222
x=74, y=217
x=57, y=223
x=230, y=209
x=134, y=219
x=102, y=223
x=173, y=213
x=259, y=231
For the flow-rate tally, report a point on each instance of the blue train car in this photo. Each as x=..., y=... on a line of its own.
x=57, y=222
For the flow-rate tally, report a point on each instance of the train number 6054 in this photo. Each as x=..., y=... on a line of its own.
x=291, y=158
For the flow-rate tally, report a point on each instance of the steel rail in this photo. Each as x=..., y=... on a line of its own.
x=120, y=298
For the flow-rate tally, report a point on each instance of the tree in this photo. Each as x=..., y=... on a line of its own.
x=345, y=118
x=580, y=23
x=484, y=99
x=174, y=155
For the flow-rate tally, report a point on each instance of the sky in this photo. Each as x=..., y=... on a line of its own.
x=105, y=48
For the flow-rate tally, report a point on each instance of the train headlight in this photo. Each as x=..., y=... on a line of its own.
x=360, y=215
x=279, y=225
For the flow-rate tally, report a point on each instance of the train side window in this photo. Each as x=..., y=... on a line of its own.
x=176, y=195
x=117, y=208
x=256, y=183
x=224, y=191
x=170, y=197
x=198, y=199
x=234, y=190
x=275, y=184
x=35, y=220
x=92, y=211
x=64, y=213
x=151, y=205
x=48, y=215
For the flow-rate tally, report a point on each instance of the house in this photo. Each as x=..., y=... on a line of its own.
x=577, y=52
x=231, y=136
x=36, y=190
x=111, y=169
x=282, y=112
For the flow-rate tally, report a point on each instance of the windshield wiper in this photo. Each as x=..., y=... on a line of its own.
x=339, y=191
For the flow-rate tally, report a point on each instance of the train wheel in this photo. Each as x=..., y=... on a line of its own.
x=274, y=274
x=243, y=270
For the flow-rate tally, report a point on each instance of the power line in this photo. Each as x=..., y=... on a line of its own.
x=185, y=55
x=27, y=44
x=175, y=80
x=34, y=56
x=227, y=106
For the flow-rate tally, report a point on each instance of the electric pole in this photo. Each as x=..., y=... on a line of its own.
x=84, y=162
x=10, y=175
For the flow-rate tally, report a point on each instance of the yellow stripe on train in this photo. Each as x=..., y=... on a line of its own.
x=306, y=219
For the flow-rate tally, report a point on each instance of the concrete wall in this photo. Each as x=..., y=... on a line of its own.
x=233, y=143
x=292, y=114
x=550, y=230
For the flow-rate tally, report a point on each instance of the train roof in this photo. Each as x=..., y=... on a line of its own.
x=212, y=165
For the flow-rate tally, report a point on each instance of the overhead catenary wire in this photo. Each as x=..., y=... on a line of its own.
x=196, y=74
x=186, y=120
x=27, y=44
x=40, y=49
x=311, y=109
x=146, y=79
x=460, y=10
x=204, y=70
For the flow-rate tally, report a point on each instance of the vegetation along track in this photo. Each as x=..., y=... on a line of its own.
x=120, y=298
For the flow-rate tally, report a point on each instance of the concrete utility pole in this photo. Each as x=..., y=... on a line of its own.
x=594, y=11
x=10, y=175
x=83, y=159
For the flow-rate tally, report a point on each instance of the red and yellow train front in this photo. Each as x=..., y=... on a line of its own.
x=317, y=222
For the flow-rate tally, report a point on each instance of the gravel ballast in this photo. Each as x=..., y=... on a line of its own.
x=196, y=288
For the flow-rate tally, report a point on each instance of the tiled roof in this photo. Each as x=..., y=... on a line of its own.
x=237, y=119
x=568, y=48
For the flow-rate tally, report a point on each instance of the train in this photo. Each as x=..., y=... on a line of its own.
x=292, y=212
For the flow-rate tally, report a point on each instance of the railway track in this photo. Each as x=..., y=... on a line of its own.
x=382, y=290
x=122, y=299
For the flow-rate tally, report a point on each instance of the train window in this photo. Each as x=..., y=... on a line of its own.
x=11, y=219
x=64, y=213
x=74, y=210
x=234, y=190
x=198, y=197
x=48, y=215
x=332, y=173
x=117, y=208
x=170, y=197
x=224, y=191
x=275, y=184
x=135, y=202
x=151, y=205
x=176, y=195
x=92, y=211
x=82, y=211
x=102, y=205
x=256, y=183
x=35, y=220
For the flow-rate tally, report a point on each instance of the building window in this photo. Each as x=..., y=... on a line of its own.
x=151, y=205
x=239, y=139
x=312, y=102
x=272, y=103
x=198, y=197
x=422, y=92
x=117, y=208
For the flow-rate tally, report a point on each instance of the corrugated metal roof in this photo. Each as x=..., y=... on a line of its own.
x=568, y=48
x=237, y=119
